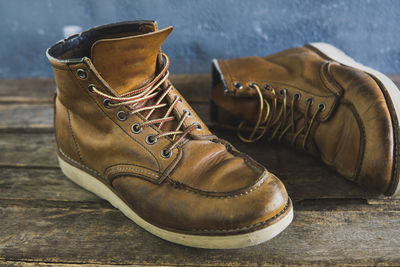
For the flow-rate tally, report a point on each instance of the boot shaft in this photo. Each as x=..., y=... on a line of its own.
x=88, y=57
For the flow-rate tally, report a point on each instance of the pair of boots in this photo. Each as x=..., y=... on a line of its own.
x=125, y=133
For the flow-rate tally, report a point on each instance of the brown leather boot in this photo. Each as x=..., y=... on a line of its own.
x=125, y=133
x=320, y=100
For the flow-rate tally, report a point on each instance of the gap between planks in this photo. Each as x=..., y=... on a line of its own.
x=309, y=240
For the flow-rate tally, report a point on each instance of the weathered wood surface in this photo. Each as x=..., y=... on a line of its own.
x=82, y=233
x=305, y=177
x=45, y=219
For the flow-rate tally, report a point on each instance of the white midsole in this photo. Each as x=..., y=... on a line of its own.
x=338, y=55
x=92, y=184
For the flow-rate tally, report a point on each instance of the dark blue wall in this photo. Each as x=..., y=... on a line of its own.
x=368, y=30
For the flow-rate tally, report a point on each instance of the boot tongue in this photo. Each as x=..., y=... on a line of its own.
x=129, y=62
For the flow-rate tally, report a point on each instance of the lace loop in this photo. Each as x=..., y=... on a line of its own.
x=154, y=88
x=280, y=121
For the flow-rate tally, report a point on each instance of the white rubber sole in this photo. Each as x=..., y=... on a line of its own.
x=95, y=186
x=338, y=55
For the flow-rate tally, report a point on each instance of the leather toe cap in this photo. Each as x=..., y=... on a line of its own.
x=182, y=209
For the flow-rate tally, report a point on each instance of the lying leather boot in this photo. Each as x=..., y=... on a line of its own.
x=319, y=100
x=125, y=133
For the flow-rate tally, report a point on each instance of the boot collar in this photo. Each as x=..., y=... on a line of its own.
x=123, y=55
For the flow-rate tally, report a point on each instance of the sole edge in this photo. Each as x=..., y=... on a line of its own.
x=95, y=186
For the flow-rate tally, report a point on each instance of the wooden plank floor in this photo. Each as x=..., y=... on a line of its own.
x=47, y=220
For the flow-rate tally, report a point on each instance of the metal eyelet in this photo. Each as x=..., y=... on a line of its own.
x=310, y=99
x=180, y=99
x=252, y=85
x=187, y=111
x=297, y=95
x=90, y=87
x=136, y=128
x=151, y=139
x=106, y=103
x=199, y=127
x=166, y=153
x=267, y=87
x=122, y=115
x=282, y=91
x=237, y=86
x=81, y=73
x=321, y=106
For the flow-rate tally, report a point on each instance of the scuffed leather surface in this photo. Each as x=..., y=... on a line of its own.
x=188, y=210
x=129, y=62
x=354, y=134
x=216, y=167
x=299, y=70
x=369, y=104
x=207, y=186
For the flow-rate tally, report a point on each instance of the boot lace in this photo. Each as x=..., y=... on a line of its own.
x=158, y=86
x=278, y=123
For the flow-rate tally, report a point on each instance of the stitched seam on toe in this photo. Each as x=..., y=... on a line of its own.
x=188, y=189
x=133, y=169
x=245, y=158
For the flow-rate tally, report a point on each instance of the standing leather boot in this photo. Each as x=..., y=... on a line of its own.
x=125, y=133
x=317, y=99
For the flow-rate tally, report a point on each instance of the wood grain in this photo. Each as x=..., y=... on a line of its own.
x=46, y=220
x=102, y=235
x=304, y=177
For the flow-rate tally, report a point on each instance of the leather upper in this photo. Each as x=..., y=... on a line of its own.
x=353, y=131
x=229, y=191
x=135, y=64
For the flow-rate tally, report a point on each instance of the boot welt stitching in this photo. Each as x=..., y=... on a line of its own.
x=134, y=169
x=205, y=230
x=249, y=226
